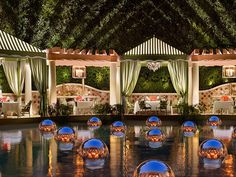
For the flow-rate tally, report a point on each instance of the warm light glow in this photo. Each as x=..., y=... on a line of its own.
x=47, y=126
x=228, y=71
x=94, y=123
x=153, y=65
x=155, y=135
x=153, y=122
x=213, y=153
x=65, y=135
x=79, y=72
x=214, y=121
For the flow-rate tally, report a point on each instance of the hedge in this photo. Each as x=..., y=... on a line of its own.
x=148, y=81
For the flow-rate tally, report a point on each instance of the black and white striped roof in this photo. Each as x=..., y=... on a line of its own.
x=154, y=46
x=10, y=45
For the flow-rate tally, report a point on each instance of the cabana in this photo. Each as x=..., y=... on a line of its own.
x=210, y=57
x=154, y=53
x=69, y=57
x=19, y=60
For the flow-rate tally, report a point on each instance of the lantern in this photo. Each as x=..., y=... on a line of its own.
x=155, y=138
x=213, y=153
x=214, y=122
x=65, y=135
x=153, y=122
x=94, y=123
x=153, y=168
x=94, y=151
x=189, y=128
x=47, y=126
x=118, y=129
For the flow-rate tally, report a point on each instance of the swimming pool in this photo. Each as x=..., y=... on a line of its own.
x=24, y=152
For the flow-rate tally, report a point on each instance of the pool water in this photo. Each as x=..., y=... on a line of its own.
x=25, y=153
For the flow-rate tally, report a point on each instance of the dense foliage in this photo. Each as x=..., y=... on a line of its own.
x=122, y=24
x=148, y=81
x=3, y=81
x=210, y=77
x=98, y=77
x=158, y=81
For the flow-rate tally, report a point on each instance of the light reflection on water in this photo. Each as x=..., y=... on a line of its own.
x=24, y=152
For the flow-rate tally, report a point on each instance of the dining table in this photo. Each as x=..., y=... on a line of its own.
x=223, y=106
x=84, y=107
x=10, y=107
x=153, y=104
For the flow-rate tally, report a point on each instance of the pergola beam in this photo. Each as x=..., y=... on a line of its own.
x=214, y=57
x=70, y=54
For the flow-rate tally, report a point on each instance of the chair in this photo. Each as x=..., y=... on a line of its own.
x=26, y=108
x=144, y=106
x=163, y=106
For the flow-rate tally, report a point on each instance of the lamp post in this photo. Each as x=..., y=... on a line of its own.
x=79, y=72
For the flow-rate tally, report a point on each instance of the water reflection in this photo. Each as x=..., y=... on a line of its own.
x=25, y=152
x=11, y=137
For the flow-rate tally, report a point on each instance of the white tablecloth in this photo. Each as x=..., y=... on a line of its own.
x=154, y=105
x=225, y=106
x=84, y=106
x=10, y=107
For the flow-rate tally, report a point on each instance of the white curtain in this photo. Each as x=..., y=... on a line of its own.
x=129, y=74
x=40, y=76
x=178, y=70
x=15, y=73
x=130, y=70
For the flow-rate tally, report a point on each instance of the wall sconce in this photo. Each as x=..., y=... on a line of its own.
x=79, y=72
x=229, y=71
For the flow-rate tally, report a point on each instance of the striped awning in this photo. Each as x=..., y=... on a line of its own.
x=11, y=46
x=153, y=47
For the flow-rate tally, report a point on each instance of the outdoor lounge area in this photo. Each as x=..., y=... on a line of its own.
x=180, y=79
x=128, y=88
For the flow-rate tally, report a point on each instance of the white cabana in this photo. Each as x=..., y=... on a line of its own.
x=206, y=57
x=69, y=57
x=19, y=59
x=155, y=52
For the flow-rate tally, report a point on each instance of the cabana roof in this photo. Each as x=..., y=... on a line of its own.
x=154, y=49
x=11, y=46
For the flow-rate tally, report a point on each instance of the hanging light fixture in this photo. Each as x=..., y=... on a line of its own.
x=229, y=71
x=153, y=65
